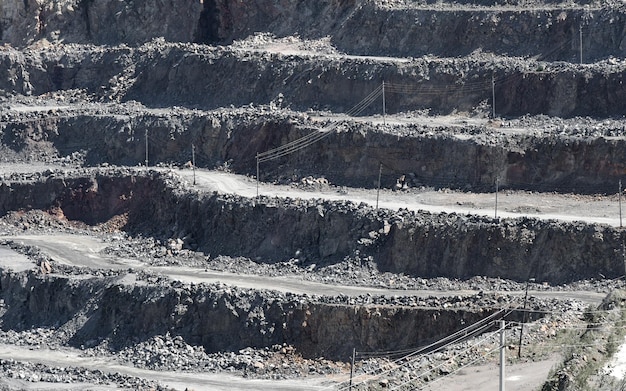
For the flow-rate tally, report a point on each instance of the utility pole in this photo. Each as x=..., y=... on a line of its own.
x=493, y=96
x=620, y=203
x=497, y=183
x=502, y=358
x=580, y=39
x=521, y=331
x=352, y=366
x=146, y=148
x=384, y=108
x=257, y=175
x=193, y=162
x=380, y=173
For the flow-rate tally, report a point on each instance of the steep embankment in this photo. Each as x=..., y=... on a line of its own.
x=123, y=311
x=569, y=156
x=160, y=74
x=418, y=244
x=540, y=28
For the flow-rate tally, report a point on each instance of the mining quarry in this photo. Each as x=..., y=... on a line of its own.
x=312, y=195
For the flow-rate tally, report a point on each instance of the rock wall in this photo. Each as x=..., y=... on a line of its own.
x=159, y=74
x=92, y=199
x=548, y=33
x=442, y=157
x=417, y=244
x=544, y=30
x=24, y=22
x=93, y=309
x=519, y=249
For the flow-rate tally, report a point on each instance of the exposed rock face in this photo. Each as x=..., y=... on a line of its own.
x=198, y=76
x=217, y=318
x=418, y=244
x=229, y=20
x=111, y=21
x=115, y=73
x=401, y=30
x=24, y=22
x=554, y=158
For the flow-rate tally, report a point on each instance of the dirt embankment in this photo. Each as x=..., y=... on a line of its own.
x=418, y=244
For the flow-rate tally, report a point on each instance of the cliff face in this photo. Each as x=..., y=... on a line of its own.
x=158, y=73
x=431, y=156
x=546, y=32
x=93, y=309
x=106, y=22
x=112, y=82
x=417, y=244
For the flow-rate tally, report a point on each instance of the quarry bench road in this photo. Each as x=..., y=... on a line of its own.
x=176, y=380
x=85, y=251
x=511, y=204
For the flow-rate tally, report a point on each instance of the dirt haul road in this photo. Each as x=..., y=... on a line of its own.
x=175, y=380
x=510, y=204
x=84, y=251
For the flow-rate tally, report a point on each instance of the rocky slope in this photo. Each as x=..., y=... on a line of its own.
x=546, y=29
x=316, y=232
x=531, y=153
x=527, y=95
x=160, y=73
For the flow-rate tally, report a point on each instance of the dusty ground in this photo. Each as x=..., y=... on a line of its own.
x=88, y=251
x=600, y=209
x=106, y=83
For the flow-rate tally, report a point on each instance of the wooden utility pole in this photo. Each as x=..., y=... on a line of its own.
x=380, y=173
x=580, y=39
x=497, y=183
x=352, y=366
x=146, y=147
x=384, y=108
x=493, y=96
x=620, y=203
x=502, y=357
x=193, y=162
x=521, y=330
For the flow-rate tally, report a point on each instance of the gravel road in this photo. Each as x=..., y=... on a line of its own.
x=175, y=380
x=85, y=251
x=510, y=204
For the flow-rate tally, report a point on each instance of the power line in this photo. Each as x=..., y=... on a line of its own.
x=316, y=136
x=479, y=324
x=458, y=354
x=484, y=355
x=457, y=337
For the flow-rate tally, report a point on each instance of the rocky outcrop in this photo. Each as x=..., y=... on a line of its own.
x=416, y=244
x=400, y=30
x=472, y=157
x=218, y=318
